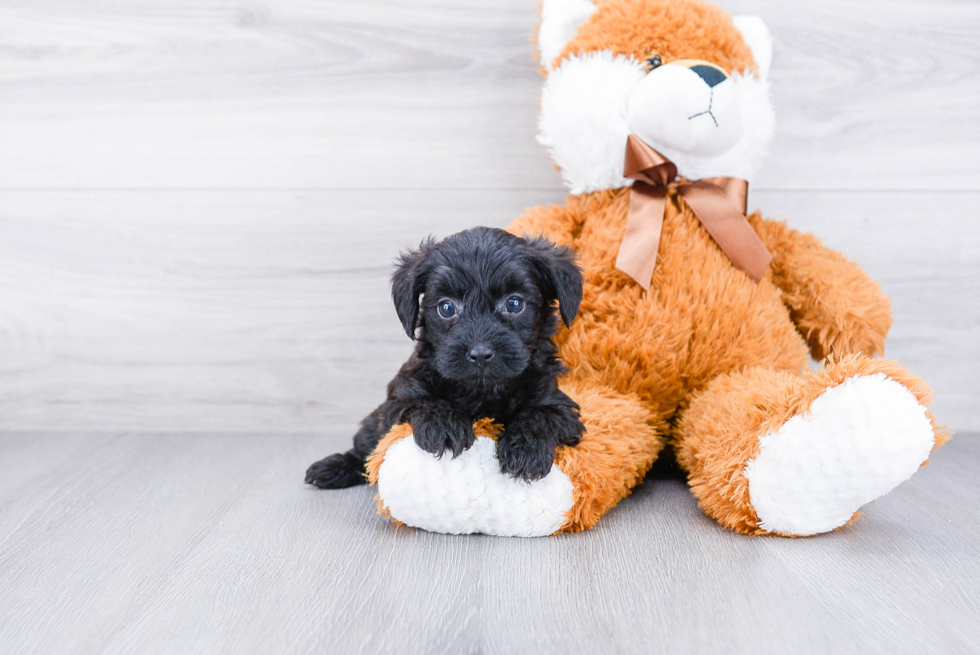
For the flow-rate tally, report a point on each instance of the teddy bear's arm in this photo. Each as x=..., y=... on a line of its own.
x=559, y=223
x=834, y=304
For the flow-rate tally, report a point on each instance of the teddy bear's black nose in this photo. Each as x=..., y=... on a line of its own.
x=711, y=76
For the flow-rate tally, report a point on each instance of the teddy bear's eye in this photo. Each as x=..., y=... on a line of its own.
x=655, y=61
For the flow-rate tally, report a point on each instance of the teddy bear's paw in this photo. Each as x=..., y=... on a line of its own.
x=860, y=440
x=469, y=494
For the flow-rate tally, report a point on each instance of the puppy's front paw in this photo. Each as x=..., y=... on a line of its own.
x=441, y=430
x=524, y=455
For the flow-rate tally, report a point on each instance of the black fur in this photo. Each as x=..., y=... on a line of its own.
x=482, y=361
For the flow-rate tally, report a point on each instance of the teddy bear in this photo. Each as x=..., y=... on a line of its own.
x=697, y=322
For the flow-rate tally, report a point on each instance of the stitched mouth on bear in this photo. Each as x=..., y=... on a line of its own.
x=711, y=75
x=688, y=106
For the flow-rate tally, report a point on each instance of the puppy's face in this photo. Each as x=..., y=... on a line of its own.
x=487, y=301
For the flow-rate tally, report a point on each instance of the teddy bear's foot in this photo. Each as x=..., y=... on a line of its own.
x=799, y=456
x=470, y=493
x=858, y=441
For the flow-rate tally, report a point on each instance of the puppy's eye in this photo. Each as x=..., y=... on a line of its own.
x=515, y=305
x=447, y=309
x=656, y=61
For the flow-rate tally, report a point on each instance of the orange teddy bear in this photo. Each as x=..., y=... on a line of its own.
x=696, y=322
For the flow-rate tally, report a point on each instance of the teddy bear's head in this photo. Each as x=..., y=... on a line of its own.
x=682, y=75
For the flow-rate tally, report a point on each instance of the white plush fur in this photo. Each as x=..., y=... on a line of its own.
x=560, y=19
x=584, y=124
x=759, y=40
x=859, y=441
x=672, y=106
x=469, y=494
x=744, y=159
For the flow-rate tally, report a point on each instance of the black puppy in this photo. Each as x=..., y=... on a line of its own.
x=484, y=328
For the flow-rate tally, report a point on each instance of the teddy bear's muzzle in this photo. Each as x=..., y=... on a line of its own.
x=687, y=106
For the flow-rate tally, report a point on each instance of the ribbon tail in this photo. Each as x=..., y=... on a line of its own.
x=729, y=227
x=638, y=251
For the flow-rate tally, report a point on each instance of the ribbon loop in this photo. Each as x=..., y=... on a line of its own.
x=718, y=202
x=645, y=164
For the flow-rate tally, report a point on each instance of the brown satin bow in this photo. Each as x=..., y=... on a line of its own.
x=718, y=202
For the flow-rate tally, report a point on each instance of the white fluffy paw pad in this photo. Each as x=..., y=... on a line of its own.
x=469, y=494
x=859, y=441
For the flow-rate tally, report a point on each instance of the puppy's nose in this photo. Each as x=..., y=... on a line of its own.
x=711, y=75
x=481, y=354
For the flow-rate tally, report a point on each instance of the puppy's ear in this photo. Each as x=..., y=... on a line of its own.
x=559, y=274
x=408, y=283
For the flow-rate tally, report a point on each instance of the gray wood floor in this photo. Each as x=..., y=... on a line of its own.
x=199, y=206
x=210, y=543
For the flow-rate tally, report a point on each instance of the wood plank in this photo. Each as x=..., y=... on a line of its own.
x=188, y=310
x=203, y=543
x=270, y=311
x=112, y=524
x=655, y=576
x=440, y=94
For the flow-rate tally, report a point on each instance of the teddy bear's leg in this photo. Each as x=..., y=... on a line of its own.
x=470, y=494
x=772, y=452
x=622, y=441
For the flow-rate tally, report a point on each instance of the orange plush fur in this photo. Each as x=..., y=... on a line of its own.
x=680, y=29
x=715, y=360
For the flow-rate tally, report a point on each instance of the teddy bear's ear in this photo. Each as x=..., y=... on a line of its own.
x=560, y=19
x=757, y=37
